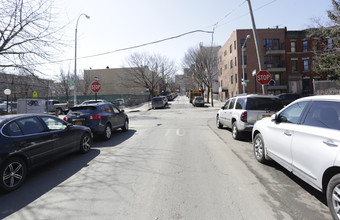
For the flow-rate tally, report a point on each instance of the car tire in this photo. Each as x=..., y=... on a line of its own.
x=218, y=123
x=126, y=125
x=234, y=132
x=333, y=195
x=259, y=150
x=85, y=143
x=107, y=132
x=13, y=173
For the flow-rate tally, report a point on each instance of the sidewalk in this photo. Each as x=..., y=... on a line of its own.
x=147, y=106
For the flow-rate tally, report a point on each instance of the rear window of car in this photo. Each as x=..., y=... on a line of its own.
x=199, y=98
x=84, y=108
x=158, y=99
x=258, y=103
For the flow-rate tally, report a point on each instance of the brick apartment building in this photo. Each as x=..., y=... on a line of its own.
x=286, y=55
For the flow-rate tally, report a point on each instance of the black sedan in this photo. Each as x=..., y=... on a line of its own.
x=30, y=140
x=102, y=118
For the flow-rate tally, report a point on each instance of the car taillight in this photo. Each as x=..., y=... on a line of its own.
x=95, y=117
x=65, y=118
x=244, y=117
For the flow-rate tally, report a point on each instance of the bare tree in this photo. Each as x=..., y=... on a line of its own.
x=150, y=71
x=202, y=63
x=27, y=34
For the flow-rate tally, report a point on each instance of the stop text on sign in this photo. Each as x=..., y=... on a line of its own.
x=95, y=86
x=263, y=77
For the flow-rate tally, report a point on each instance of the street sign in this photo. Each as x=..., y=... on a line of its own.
x=70, y=82
x=95, y=86
x=263, y=77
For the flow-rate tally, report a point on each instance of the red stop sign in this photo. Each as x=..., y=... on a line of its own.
x=95, y=86
x=263, y=77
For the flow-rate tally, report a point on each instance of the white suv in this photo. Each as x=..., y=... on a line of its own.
x=241, y=112
x=304, y=138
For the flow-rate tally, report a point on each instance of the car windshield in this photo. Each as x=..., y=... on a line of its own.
x=258, y=103
x=199, y=98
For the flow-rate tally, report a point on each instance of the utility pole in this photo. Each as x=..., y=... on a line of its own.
x=257, y=45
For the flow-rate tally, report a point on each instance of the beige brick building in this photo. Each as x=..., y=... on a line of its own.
x=113, y=81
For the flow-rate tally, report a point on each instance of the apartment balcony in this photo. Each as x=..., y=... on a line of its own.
x=278, y=50
x=276, y=67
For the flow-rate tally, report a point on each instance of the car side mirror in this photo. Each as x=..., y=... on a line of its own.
x=69, y=125
x=122, y=111
x=274, y=117
x=222, y=107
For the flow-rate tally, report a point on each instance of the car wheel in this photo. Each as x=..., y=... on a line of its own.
x=85, y=144
x=13, y=173
x=234, y=131
x=218, y=123
x=259, y=151
x=107, y=132
x=126, y=125
x=333, y=196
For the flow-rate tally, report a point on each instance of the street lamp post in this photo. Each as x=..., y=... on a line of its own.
x=75, y=59
x=243, y=76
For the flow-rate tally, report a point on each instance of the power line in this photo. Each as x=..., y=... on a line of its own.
x=215, y=26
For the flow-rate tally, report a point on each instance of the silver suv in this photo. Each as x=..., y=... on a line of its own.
x=240, y=113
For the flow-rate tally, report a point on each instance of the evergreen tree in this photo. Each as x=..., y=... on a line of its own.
x=327, y=63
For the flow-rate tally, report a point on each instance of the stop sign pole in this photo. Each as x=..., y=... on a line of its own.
x=95, y=87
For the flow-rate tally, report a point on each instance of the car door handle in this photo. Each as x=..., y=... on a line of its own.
x=288, y=133
x=330, y=143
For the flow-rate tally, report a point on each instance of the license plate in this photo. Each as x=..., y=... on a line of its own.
x=265, y=116
x=78, y=123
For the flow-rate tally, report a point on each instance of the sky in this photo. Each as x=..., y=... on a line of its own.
x=116, y=25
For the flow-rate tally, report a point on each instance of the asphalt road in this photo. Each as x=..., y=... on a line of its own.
x=173, y=163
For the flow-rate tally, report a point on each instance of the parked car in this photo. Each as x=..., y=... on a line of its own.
x=198, y=101
x=241, y=112
x=57, y=107
x=165, y=100
x=287, y=98
x=12, y=108
x=88, y=102
x=30, y=140
x=102, y=118
x=158, y=102
x=304, y=138
x=120, y=102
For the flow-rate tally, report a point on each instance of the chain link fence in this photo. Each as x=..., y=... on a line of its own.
x=326, y=87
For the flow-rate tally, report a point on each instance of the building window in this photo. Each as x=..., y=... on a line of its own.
x=245, y=61
x=277, y=78
x=329, y=43
x=271, y=44
x=245, y=76
x=305, y=65
x=226, y=66
x=231, y=64
x=304, y=46
x=235, y=62
x=315, y=44
x=242, y=42
x=294, y=65
x=231, y=79
x=235, y=78
x=225, y=53
x=231, y=48
x=293, y=46
x=221, y=83
x=234, y=44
